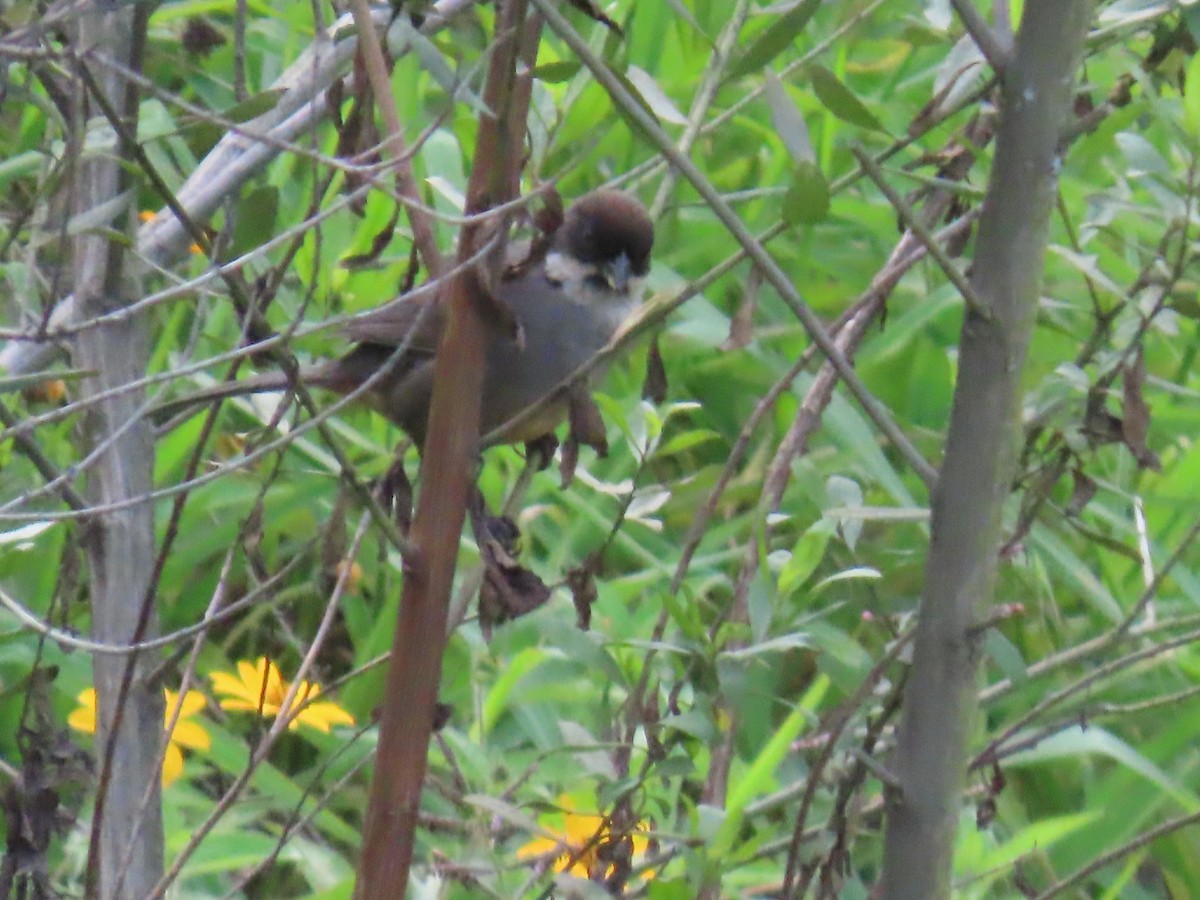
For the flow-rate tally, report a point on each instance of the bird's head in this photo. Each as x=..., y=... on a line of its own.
x=601, y=252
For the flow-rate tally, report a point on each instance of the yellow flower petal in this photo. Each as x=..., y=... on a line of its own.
x=538, y=847
x=187, y=733
x=83, y=718
x=193, y=702
x=172, y=765
x=582, y=836
x=246, y=692
x=224, y=682
x=270, y=710
x=322, y=716
x=266, y=672
x=231, y=685
x=191, y=735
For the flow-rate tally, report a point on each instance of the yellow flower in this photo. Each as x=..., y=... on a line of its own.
x=186, y=733
x=258, y=687
x=578, y=842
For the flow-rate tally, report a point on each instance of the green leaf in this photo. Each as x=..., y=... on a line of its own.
x=806, y=555
x=656, y=98
x=1186, y=303
x=775, y=39
x=556, y=72
x=1129, y=12
x=497, y=699
x=759, y=777
x=256, y=219
x=778, y=644
x=686, y=440
x=1080, y=741
x=1006, y=655
x=402, y=36
x=1034, y=838
x=675, y=889
x=807, y=199
x=855, y=573
x=1191, y=96
x=174, y=12
x=845, y=492
x=637, y=95
x=343, y=890
x=694, y=723
x=253, y=107
x=789, y=123
x=1141, y=156
x=759, y=605
x=227, y=852
x=840, y=100
x=586, y=750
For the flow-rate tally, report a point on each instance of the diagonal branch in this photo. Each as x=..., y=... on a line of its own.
x=985, y=37
x=394, y=149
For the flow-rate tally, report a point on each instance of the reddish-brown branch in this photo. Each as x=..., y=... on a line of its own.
x=450, y=448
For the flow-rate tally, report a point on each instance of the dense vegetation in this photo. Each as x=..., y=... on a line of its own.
x=749, y=556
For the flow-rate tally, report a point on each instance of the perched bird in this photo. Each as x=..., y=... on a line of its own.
x=567, y=303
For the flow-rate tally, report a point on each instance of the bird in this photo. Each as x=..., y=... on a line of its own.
x=568, y=300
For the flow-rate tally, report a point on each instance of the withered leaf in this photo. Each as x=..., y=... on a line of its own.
x=586, y=428
x=441, y=715
x=200, y=37
x=509, y=590
x=1099, y=425
x=741, y=326
x=395, y=491
x=1082, y=493
x=654, y=388
x=1136, y=422
x=581, y=581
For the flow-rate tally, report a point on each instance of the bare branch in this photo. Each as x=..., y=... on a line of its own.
x=989, y=42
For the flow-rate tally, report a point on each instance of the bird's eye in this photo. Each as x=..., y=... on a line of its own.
x=597, y=281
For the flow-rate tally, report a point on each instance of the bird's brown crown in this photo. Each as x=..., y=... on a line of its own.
x=604, y=224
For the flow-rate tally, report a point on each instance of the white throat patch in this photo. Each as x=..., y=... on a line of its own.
x=572, y=275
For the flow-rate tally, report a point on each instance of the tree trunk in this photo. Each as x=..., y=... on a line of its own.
x=940, y=703
x=119, y=539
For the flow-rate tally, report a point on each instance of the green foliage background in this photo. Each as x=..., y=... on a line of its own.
x=538, y=712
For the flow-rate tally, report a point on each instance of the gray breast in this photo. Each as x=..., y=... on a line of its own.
x=559, y=336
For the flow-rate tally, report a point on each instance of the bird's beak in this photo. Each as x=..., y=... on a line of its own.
x=618, y=274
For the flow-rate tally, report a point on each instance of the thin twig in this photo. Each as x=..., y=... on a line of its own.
x=985, y=38
x=914, y=224
x=394, y=148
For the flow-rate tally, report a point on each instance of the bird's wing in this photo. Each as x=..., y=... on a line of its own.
x=389, y=324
